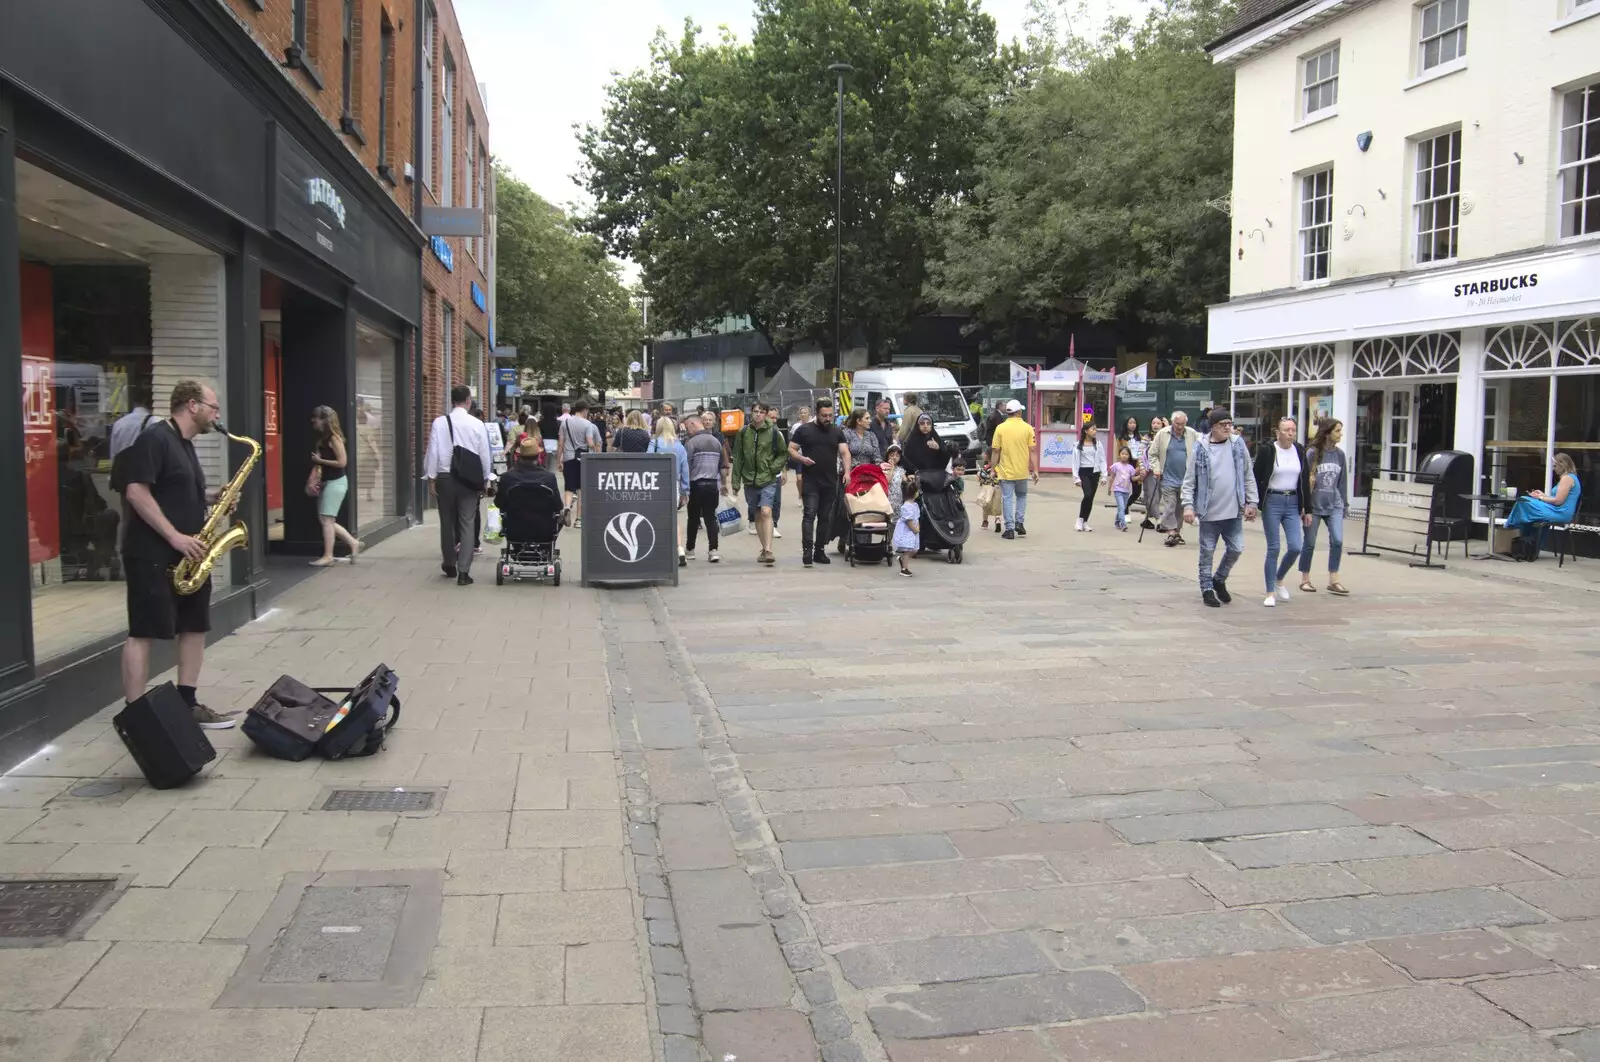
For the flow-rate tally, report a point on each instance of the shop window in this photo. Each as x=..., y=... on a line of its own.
x=1316, y=224
x=1580, y=162
x=377, y=405
x=1577, y=432
x=1443, y=37
x=1514, y=452
x=115, y=311
x=1438, y=196
x=447, y=353
x=475, y=364
x=1320, y=86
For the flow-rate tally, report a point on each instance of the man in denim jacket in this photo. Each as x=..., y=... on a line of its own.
x=1219, y=493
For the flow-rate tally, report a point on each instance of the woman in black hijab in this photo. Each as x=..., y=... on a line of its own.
x=924, y=450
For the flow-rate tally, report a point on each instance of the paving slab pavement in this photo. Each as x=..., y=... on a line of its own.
x=1039, y=806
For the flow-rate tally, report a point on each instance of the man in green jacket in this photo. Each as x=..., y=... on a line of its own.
x=760, y=458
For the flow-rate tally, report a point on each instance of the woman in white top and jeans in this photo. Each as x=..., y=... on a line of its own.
x=1280, y=471
x=1091, y=466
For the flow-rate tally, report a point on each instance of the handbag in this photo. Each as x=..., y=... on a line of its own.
x=730, y=518
x=314, y=482
x=466, y=466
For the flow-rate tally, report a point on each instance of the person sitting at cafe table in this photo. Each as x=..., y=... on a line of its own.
x=1540, y=509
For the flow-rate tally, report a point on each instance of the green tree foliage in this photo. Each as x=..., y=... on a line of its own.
x=560, y=300
x=713, y=167
x=1093, y=180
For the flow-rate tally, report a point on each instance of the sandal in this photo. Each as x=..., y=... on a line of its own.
x=1306, y=587
x=323, y=562
x=1338, y=588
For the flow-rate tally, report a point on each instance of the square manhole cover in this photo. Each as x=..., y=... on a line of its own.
x=36, y=912
x=342, y=939
x=397, y=799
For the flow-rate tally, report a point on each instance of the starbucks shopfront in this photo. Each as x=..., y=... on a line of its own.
x=145, y=224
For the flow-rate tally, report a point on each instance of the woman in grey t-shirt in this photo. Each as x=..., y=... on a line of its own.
x=1329, y=502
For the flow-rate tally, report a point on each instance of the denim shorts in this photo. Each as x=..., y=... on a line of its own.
x=761, y=497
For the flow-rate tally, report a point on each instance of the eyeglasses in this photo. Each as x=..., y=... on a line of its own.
x=209, y=405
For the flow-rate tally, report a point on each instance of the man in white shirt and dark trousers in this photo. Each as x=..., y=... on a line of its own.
x=1282, y=482
x=458, y=431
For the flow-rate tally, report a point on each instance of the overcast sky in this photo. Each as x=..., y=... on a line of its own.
x=545, y=64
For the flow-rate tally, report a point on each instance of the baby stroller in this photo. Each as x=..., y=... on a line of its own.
x=531, y=519
x=944, y=517
x=867, y=522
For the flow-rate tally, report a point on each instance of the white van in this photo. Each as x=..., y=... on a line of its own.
x=937, y=393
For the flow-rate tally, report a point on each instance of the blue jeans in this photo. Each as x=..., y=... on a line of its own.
x=1335, y=522
x=1122, y=507
x=758, y=498
x=1282, y=515
x=1013, y=502
x=1232, y=534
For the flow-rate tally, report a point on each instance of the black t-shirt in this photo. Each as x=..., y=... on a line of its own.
x=821, y=443
x=163, y=460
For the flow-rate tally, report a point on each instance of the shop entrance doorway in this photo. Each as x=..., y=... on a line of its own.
x=1396, y=426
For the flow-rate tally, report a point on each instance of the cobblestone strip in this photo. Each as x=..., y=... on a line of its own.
x=836, y=1011
x=668, y=984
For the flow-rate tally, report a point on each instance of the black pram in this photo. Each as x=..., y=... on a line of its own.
x=531, y=516
x=944, y=517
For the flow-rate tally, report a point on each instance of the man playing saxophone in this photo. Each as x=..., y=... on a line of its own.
x=166, y=492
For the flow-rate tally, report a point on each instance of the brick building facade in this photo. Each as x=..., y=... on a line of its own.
x=453, y=170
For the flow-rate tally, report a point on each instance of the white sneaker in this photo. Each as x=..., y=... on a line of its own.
x=752, y=528
x=713, y=557
x=1271, y=601
x=1086, y=527
x=776, y=533
x=1080, y=525
x=1283, y=592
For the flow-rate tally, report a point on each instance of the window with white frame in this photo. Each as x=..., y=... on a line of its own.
x=447, y=135
x=1443, y=36
x=1580, y=162
x=470, y=158
x=1320, y=88
x=431, y=113
x=1438, y=196
x=1316, y=224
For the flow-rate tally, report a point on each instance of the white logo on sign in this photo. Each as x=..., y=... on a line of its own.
x=321, y=192
x=629, y=537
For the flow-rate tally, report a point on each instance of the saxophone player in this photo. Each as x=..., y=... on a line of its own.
x=166, y=494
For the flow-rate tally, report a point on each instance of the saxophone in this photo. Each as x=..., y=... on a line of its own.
x=189, y=575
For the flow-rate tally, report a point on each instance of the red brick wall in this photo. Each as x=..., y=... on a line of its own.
x=273, y=30
x=444, y=286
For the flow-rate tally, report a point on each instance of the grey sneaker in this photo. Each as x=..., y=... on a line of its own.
x=210, y=720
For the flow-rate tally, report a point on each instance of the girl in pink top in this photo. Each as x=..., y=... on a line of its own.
x=1120, y=481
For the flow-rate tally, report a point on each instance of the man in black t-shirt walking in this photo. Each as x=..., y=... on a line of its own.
x=820, y=448
x=166, y=495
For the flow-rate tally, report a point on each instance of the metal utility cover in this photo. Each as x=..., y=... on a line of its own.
x=349, y=939
x=38, y=912
x=394, y=799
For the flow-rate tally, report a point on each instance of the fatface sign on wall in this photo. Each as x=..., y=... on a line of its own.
x=313, y=211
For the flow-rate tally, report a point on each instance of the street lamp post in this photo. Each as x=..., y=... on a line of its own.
x=839, y=70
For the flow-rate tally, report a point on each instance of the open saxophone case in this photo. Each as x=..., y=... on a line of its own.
x=293, y=721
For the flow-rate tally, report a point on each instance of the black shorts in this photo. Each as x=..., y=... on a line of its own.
x=155, y=609
x=572, y=475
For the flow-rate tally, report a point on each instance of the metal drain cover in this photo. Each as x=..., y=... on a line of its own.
x=380, y=800
x=91, y=790
x=35, y=912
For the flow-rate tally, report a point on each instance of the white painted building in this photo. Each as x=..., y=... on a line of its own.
x=1416, y=229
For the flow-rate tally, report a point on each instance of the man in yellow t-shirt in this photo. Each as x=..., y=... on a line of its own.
x=1015, y=466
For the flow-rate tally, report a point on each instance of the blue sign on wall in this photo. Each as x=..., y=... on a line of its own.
x=505, y=377
x=443, y=252
x=478, y=300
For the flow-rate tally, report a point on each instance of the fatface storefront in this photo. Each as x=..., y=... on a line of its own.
x=1497, y=359
x=152, y=229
